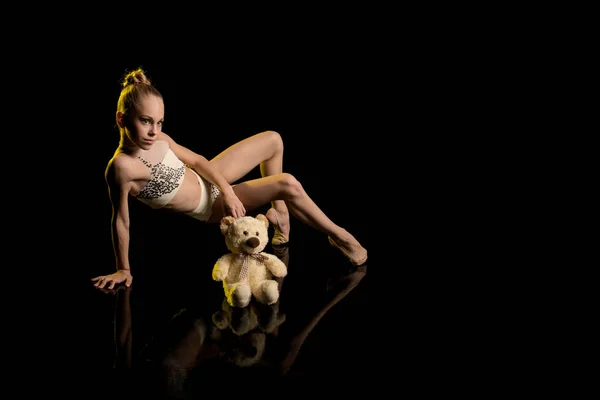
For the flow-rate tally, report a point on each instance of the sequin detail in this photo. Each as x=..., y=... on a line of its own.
x=163, y=180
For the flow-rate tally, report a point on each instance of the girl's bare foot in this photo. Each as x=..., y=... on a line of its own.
x=281, y=224
x=351, y=249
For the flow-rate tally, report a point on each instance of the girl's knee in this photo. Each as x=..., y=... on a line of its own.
x=290, y=184
x=275, y=139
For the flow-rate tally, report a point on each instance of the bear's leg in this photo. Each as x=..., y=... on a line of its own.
x=267, y=292
x=240, y=295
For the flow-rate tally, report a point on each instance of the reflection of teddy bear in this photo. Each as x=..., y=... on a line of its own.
x=248, y=271
x=250, y=327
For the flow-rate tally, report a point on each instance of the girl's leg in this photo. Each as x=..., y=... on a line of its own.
x=265, y=150
x=285, y=187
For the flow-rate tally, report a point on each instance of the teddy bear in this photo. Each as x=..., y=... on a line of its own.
x=247, y=271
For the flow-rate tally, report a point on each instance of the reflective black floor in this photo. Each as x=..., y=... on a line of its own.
x=171, y=334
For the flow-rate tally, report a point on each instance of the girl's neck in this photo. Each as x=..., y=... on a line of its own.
x=127, y=147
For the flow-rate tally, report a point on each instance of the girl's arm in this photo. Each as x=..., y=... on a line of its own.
x=201, y=165
x=119, y=185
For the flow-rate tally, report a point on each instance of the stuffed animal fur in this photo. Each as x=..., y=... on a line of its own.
x=247, y=271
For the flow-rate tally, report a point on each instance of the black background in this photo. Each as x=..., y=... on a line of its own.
x=372, y=117
x=360, y=120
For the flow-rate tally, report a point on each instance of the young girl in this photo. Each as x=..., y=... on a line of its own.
x=151, y=167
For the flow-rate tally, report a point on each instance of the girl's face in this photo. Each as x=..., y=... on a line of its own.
x=143, y=125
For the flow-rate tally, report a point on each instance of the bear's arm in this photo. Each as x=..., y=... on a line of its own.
x=275, y=265
x=221, y=267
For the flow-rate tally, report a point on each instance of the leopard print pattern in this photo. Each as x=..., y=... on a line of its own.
x=164, y=179
x=214, y=192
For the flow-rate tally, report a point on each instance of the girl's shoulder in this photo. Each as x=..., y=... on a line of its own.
x=124, y=166
x=120, y=159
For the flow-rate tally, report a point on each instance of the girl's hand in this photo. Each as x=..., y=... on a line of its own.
x=233, y=206
x=112, y=279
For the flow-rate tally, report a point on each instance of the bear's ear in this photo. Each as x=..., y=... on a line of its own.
x=264, y=219
x=226, y=223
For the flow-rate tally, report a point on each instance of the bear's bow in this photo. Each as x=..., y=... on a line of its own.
x=246, y=257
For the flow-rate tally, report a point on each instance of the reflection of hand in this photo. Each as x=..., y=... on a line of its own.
x=112, y=279
x=233, y=206
x=115, y=290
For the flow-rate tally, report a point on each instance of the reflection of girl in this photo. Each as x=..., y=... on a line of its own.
x=344, y=285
